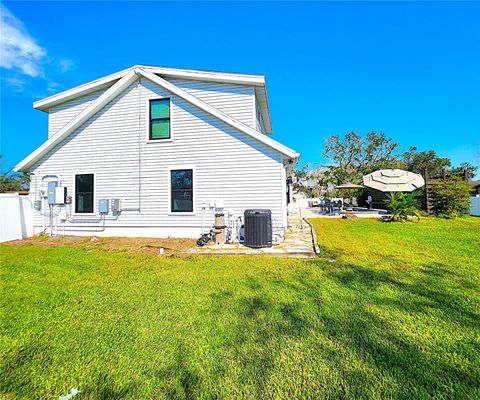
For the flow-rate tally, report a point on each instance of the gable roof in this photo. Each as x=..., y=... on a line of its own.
x=121, y=83
x=474, y=184
x=257, y=81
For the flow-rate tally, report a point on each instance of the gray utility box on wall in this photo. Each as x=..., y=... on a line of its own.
x=56, y=194
x=51, y=192
x=103, y=206
x=116, y=205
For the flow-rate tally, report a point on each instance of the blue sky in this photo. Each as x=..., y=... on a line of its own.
x=411, y=70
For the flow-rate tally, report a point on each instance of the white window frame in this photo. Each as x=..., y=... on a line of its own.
x=74, y=196
x=169, y=180
x=147, y=113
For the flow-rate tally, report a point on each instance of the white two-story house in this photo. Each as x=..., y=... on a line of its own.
x=155, y=152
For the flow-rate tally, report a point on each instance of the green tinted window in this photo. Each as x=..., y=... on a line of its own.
x=159, y=119
x=160, y=109
x=160, y=129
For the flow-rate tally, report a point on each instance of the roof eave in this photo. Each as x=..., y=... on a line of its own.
x=209, y=76
x=78, y=91
x=223, y=77
x=265, y=108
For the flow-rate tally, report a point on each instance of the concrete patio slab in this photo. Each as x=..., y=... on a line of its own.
x=298, y=243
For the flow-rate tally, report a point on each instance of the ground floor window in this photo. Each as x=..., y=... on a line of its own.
x=181, y=184
x=84, y=187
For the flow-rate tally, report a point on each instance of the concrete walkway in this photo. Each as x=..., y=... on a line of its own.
x=298, y=243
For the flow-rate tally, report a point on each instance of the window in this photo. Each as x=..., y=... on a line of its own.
x=159, y=119
x=181, y=184
x=84, y=193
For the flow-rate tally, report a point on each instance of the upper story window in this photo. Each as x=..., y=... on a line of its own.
x=159, y=119
x=84, y=187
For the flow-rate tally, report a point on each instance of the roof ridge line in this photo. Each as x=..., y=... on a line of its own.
x=91, y=86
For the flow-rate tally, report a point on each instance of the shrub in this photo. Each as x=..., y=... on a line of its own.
x=403, y=206
x=451, y=198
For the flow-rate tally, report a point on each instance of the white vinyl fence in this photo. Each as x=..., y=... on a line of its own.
x=16, y=217
x=475, y=206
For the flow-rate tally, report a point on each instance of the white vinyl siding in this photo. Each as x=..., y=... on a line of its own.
x=234, y=100
x=61, y=115
x=229, y=165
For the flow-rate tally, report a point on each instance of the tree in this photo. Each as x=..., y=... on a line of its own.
x=308, y=180
x=13, y=181
x=354, y=155
x=302, y=176
x=463, y=168
x=418, y=162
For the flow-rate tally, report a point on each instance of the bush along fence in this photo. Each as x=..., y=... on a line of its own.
x=448, y=195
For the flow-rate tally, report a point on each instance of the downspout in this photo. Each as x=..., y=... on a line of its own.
x=139, y=141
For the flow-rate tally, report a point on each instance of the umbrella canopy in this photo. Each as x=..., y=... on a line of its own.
x=393, y=180
x=349, y=185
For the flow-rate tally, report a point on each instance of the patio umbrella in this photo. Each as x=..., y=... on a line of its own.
x=349, y=185
x=393, y=180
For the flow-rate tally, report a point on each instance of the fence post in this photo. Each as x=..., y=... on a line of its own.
x=427, y=192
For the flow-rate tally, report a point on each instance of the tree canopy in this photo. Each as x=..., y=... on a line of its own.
x=421, y=161
x=354, y=155
x=13, y=181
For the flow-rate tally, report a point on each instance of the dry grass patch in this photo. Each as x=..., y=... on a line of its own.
x=131, y=245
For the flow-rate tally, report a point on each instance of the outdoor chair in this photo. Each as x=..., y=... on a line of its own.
x=328, y=207
x=338, y=205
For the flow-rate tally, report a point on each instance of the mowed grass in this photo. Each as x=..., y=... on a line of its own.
x=389, y=311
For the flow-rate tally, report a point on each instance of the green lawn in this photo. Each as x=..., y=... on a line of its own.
x=389, y=311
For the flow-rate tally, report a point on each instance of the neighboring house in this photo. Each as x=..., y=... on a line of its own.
x=475, y=185
x=167, y=147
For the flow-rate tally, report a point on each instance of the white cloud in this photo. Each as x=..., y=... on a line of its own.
x=18, y=50
x=66, y=65
x=16, y=83
x=53, y=87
